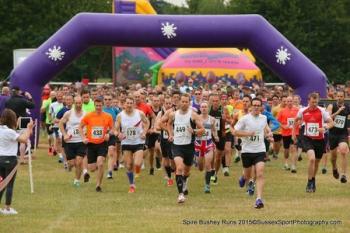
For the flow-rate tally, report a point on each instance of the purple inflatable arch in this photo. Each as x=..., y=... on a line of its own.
x=89, y=29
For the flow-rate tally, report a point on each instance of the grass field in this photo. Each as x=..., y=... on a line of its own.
x=57, y=206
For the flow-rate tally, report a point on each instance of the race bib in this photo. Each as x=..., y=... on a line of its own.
x=180, y=131
x=312, y=129
x=217, y=124
x=206, y=135
x=339, y=121
x=131, y=133
x=97, y=132
x=290, y=122
x=75, y=132
x=256, y=138
x=165, y=134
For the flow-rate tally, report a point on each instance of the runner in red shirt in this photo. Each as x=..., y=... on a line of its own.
x=314, y=118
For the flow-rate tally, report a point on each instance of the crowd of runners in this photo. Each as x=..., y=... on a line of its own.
x=180, y=126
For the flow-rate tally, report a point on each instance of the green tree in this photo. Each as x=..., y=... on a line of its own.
x=319, y=29
x=27, y=24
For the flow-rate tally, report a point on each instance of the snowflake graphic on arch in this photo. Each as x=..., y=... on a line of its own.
x=282, y=55
x=55, y=53
x=168, y=30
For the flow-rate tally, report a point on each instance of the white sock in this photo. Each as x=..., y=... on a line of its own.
x=85, y=171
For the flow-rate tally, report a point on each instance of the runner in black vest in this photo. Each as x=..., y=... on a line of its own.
x=338, y=135
x=216, y=112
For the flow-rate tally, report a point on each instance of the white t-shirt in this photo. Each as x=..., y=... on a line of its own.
x=257, y=124
x=8, y=141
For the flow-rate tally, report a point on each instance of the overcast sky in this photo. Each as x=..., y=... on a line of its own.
x=177, y=2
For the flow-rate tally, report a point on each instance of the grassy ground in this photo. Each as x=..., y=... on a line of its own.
x=57, y=206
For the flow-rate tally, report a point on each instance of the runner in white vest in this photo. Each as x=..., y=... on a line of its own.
x=131, y=128
x=74, y=147
x=181, y=125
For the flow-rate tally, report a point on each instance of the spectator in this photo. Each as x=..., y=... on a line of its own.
x=9, y=139
x=20, y=103
x=5, y=95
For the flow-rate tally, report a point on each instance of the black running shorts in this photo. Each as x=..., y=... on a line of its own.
x=334, y=140
x=316, y=145
x=165, y=146
x=132, y=148
x=74, y=149
x=250, y=159
x=112, y=140
x=96, y=150
x=186, y=152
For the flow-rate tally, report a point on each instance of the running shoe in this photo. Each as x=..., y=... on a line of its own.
x=181, y=198
x=86, y=177
x=237, y=159
x=251, y=188
x=226, y=171
x=132, y=189
x=170, y=182
x=343, y=179
x=259, y=204
x=274, y=155
x=54, y=152
x=215, y=180
x=293, y=170
x=336, y=174
x=313, y=186
x=300, y=158
x=116, y=166
x=109, y=175
x=286, y=167
x=206, y=189
x=324, y=170
x=76, y=183
x=50, y=151
x=98, y=189
x=309, y=187
x=9, y=211
x=151, y=171
x=241, y=182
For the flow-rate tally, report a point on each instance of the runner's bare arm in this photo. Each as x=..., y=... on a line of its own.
x=81, y=131
x=199, y=124
x=61, y=123
x=170, y=126
x=213, y=130
x=145, y=124
x=268, y=133
x=157, y=125
x=165, y=117
x=117, y=125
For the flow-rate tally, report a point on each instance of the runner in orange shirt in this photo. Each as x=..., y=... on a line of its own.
x=99, y=125
x=286, y=117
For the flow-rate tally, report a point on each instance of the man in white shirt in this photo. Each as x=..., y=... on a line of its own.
x=253, y=128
